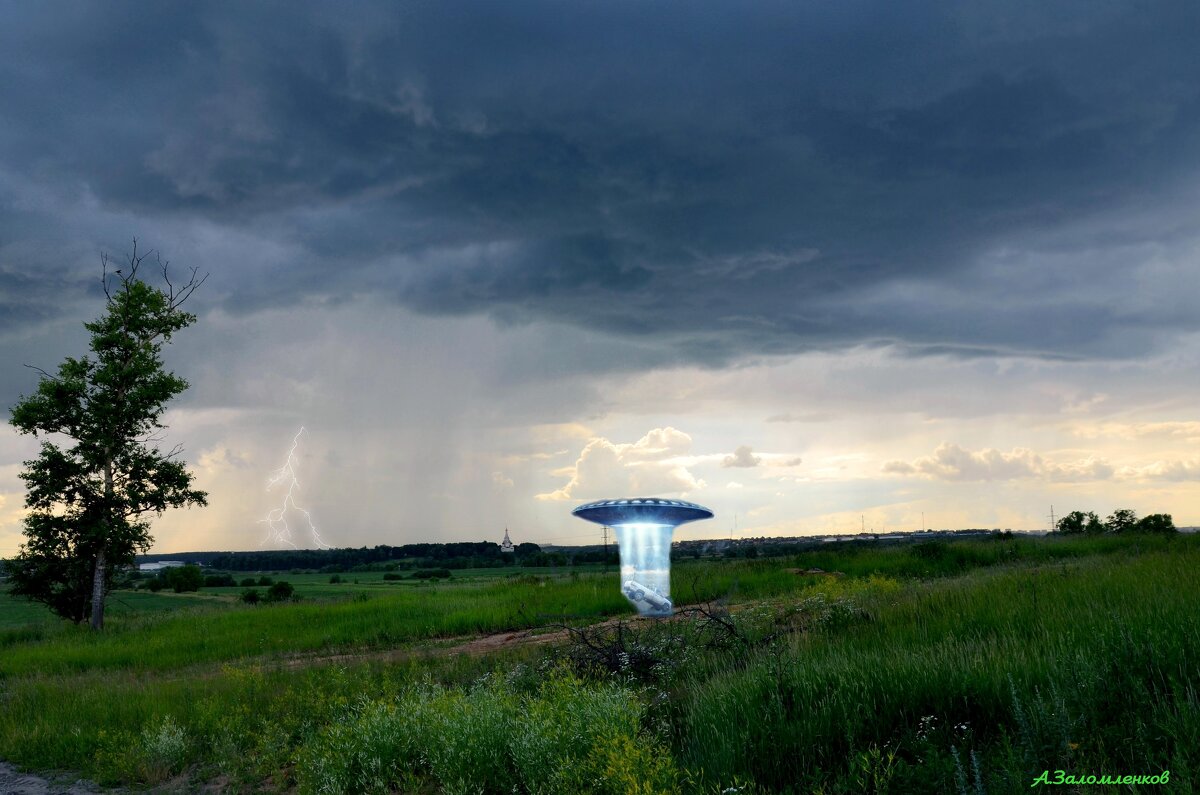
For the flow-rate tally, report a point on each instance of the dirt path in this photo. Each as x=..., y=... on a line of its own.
x=481, y=644
x=466, y=644
x=15, y=783
x=469, y=644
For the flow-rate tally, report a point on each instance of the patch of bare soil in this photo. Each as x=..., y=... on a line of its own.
x=13, y=782
x=474, y=644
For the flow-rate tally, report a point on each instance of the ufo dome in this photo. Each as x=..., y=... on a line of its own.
x=642, y=510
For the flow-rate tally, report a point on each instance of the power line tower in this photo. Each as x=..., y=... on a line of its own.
x=1053, y=524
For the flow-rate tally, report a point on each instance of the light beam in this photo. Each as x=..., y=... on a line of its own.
x=644, y=526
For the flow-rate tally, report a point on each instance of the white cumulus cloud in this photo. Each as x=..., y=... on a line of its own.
x=649, y=466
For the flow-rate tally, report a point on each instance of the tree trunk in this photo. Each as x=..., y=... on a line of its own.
x=98, y=592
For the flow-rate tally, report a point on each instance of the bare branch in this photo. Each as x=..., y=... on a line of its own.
x=44, y=374
x=167, y=279
x=104, y=275
x=185, y=292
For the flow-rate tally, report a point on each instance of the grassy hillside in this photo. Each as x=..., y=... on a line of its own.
x=965, y=666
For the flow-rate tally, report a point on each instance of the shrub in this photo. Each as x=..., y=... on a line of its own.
x=219, y=581
x=335, y=579
x=183, y=578
x=393, y=576
x=163, y=750
x=280, y=592
x=431, y=574
x=265, y=581
x=248, y=582
x=1157, y=523
x=566, y=738
x=155, y=585
x=251, y=596
x=151, y=756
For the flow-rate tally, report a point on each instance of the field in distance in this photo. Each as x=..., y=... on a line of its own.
x=960, y=666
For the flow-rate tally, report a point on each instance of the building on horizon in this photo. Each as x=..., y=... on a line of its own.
x=506, y=545
x=160, y=565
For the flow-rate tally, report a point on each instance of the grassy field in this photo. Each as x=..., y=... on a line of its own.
x=945, y=667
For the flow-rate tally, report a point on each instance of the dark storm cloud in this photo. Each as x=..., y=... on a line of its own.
x=720, y=180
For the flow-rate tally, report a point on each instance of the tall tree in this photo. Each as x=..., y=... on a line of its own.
x=1072, y=523
x=1156, y=523
x=100, y=472
x=1121, y=520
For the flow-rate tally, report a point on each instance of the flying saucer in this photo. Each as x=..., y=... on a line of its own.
x=642, y=510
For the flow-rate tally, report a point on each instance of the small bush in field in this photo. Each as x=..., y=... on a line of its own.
x=280, y=592
x=164, y=748
x=251, y=596
x=335, y=579
x=152, y=756
x=431, y=574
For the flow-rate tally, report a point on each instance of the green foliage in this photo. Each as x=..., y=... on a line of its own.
x=248, y=582
x=182, y=578
x=566, y=737
x=280, y=592
x=337, y=578
x=1078, y=522
x=251, y=596
x=1087, y=666
x=543, y=559
x=1121, y=520
x=901, y=676
x=1156, y=523
x=88, y=500
x=430, y=574
x=220, y=581
x=151, y=756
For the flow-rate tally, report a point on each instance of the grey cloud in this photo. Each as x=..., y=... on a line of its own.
x=1177, y=471
x=711, y=183
x=808, y=416
x=954, y=463
x=743, y=456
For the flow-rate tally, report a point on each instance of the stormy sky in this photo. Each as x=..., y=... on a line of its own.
x=812, y=264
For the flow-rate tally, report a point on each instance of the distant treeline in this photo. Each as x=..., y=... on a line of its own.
x=458, y=555
x=1122, y=520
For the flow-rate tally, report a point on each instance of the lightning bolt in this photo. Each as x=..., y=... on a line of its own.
x=278, y=530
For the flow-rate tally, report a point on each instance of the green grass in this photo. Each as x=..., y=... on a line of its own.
x=217, y=628
x=23, y=621
x=372, y=620
x=1085, y=666
x=921, y=669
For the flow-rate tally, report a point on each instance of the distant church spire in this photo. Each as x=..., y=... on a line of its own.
x=506, y=545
